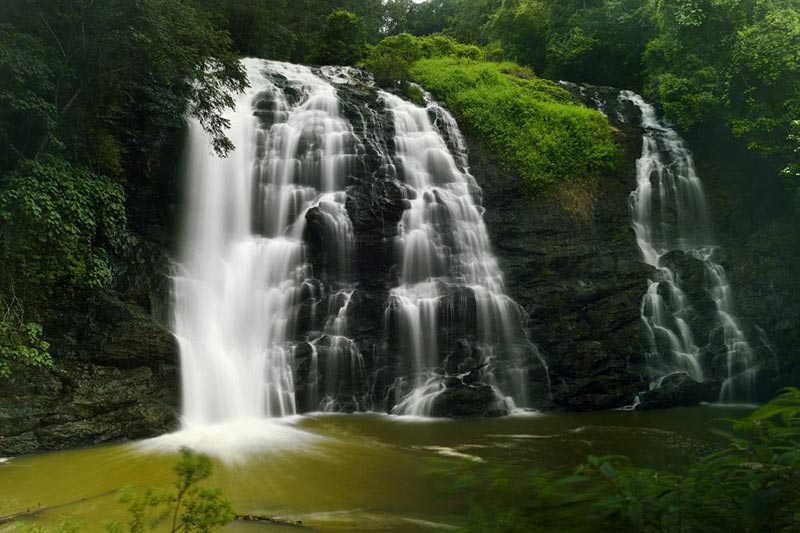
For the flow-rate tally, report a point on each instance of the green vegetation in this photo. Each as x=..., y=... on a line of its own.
x=719, y=69
x=533, y=125
x=93, y=98
x=746, y=76
x=61, y=219
x=342, y=40
x=21, y=342
x=392, y=58
x=190, y=507
x=600, y=42
x=749, y=484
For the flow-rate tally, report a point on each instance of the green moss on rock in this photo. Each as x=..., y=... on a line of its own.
x=536, y=128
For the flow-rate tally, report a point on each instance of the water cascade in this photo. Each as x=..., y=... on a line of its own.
x=244, y=272
x=282, y=303
x=451, y=297
x=688, y=309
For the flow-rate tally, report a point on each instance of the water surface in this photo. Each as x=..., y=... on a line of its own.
x=355, y=472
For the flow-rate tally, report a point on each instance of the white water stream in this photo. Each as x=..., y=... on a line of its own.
x=446, y=261
x=243, y=267
x=669, y=213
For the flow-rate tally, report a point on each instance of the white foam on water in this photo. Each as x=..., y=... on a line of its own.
x=446, y=451
x=237, y=440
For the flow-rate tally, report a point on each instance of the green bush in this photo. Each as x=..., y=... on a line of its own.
x=749, y=485
x=391, y=59
x=190, y=507
x=21, y=343
x=534, y=126
x=342, y=40
x=764, y=81
x=59, y=222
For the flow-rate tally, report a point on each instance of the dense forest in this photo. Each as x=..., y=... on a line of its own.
x=94, y=95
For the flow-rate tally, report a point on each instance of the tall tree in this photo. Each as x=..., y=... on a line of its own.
x=342, y=40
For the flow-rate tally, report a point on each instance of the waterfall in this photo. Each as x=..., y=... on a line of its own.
x=451, y=287
x=271, y=311
x=243, y=269
x=695, y=333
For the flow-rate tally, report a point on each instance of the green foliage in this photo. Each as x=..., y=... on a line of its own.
x=764, y=81
x=59, y=221
x=188, y=508
x=288, y=30
x=259, y=28
x=392, y=58
x=792, y=171
x=750, y=484
x=733, y=63
x=26, y=80
x=20, y=342
x=76, y=57
x=599, y=42
x=342, y=40
x=522, y=27
x=79, y=120
x=715, y=67
x=683, y=61
x=533, y=125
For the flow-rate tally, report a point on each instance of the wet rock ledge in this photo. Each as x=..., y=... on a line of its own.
x=114, y=379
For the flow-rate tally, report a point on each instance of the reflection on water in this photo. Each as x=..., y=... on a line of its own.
x=355, y=472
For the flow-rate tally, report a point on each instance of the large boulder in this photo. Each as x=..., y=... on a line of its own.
x=678, y=390
x=468, y=401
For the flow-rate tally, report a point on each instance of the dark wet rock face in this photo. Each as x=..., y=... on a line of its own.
x=678, y=390
x=114, y=379
x=581, y=281
x=757, y=225
x=459, y=400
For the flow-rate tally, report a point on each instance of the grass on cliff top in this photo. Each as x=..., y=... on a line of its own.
x=535, y=127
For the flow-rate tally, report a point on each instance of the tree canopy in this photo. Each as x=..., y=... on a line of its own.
x=342, y=40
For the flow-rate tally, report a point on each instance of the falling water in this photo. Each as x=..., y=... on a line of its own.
x=669, y=214
x=268, y=282
x=243, y=269
x=448, y=273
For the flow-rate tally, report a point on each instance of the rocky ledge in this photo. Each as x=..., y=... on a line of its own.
x=114, y=379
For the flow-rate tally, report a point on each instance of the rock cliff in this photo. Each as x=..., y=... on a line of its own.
x=570, y=259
